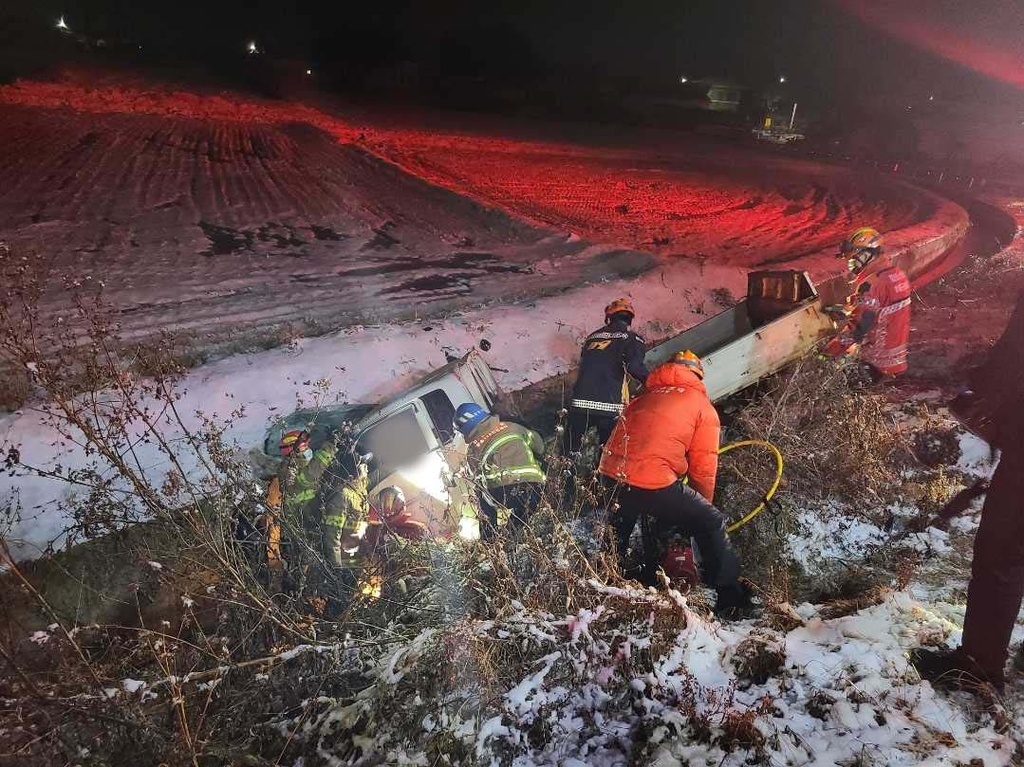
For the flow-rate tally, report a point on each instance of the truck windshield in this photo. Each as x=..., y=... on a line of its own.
x=395, y=442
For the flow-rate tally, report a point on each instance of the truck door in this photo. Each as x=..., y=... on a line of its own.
x=407, y=453
x=440, y=407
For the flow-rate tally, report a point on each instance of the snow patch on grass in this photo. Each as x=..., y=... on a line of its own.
x=844, y=691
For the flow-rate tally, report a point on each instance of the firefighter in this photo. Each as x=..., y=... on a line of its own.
x=288, y=498
x=877, y=315
x=669, y=432
x=301, y=473
x=601, y=384
x=344, y=508
x=502, y=458
x=997, y=571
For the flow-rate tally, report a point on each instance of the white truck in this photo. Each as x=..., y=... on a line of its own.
x=415, y=445
x=411, y=439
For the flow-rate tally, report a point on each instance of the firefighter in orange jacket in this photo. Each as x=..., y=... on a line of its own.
x=878, y=312
x=669, y=432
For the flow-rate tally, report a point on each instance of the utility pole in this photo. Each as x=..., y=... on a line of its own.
x=792, y=117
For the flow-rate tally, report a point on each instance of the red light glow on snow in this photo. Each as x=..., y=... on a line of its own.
x=669, y=200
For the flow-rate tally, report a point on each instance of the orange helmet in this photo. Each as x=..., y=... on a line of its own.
x=296, y=439
x=619, y=305
x=690, y=360
x=390, y=502
x=860, y=248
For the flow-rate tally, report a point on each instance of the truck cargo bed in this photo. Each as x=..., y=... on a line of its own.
x=779, y=321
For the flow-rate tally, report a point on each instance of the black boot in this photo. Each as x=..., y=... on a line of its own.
x=953, y=670
x=734, y=602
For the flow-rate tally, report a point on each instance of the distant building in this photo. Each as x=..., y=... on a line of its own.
x=724, y=96
x=715, y=94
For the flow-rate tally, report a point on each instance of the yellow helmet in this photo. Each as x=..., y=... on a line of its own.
x=619, y=305
x=860, y=248
x=690, y=360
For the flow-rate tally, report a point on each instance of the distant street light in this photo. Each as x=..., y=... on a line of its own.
x=309, y=71
x=62, y=25
x=252, y=47
x=782, y=79
x=683, y=80
x=931, y=98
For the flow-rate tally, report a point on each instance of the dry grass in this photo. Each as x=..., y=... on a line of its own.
x=848, y=450
x=840, y=440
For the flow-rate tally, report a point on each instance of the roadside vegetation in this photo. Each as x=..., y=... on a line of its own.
x=163, y=638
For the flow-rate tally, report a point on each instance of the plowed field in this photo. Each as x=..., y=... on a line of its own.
x=244, y=221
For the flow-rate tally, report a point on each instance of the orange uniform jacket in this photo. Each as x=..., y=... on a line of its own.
x=670, y=431
x=883, y=310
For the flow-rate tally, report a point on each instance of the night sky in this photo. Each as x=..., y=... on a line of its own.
x=830, y=51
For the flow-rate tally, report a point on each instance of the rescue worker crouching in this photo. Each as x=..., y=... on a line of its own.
x=877, y=315
x=502, y=460
x=609, y=353
x=669, y=432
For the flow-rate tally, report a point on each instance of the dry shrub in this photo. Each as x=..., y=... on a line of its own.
x=760, y=656
x=739, y=731
x=937, y=445
x=839, y=441
x=842, y=449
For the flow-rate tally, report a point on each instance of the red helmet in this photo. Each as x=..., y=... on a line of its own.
x=296, y=439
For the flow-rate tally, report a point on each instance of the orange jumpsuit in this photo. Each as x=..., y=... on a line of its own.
x=881, y=319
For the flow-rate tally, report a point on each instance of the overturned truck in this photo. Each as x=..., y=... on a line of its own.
x=413, y=444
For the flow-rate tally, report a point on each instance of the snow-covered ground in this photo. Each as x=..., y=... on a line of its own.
x=633, y=676
x=828, y=692
x=528, y=342
x=817, y=691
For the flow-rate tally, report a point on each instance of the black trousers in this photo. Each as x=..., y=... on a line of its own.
x=997, y=571
x=581, y=420
x=520, y=500
x=672, y=510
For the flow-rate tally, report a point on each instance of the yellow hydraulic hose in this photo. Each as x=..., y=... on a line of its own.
x=775, y=485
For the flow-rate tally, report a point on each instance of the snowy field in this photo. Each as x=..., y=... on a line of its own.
x=527, y=342
x=245, y=223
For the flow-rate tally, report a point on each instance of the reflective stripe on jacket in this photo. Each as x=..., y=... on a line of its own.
x=504, y=453
x=300, y=479
x=345, y=508
x=668, y=432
